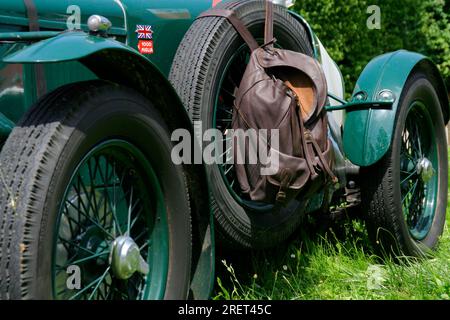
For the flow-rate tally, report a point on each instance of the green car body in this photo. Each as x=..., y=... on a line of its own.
x=368, y=132
x=34, y=63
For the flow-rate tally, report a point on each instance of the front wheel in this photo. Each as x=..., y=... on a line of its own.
x=405, y=194
x=91, y=204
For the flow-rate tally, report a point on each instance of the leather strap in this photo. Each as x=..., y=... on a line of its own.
x=268, y=32
x=324, y=163
x=296, y=152
x=236, y=23
x=33, y=24
x=307, y=152
x=33, y=19
x=242, y=29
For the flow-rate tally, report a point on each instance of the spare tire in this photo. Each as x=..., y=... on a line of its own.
x=207, y=68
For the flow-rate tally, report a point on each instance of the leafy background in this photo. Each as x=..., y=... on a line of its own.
x=417, y=25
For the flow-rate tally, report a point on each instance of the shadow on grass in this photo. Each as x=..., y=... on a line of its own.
x=256, y=272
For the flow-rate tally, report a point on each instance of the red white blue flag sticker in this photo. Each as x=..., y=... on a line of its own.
x=144, y=32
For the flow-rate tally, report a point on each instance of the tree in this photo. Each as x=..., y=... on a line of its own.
x=416, y=25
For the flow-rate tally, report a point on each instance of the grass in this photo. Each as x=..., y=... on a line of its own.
x=333, y=263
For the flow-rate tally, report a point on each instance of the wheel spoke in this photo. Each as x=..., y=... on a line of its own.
x=418, y=141
x=226, y=152
x=98, y=283
x=88, y=197
x=226, y=109
x=94, y=222
x=71, y=243
x=111, y=202
x=94, y=256
x=412, y=190
x=79, y=199
x=92, y=176
x=130, y=206
x=136, y=218
x=82, y=291
x=229, y=169
x=229, y=93
x=138, y=237
x=408, y=177
x=145, y=245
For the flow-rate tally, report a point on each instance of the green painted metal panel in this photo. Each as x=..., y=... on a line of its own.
x=68, y=46
x=368, y=132
x=54, y=15
x=27, y=36
x=59, y=74
x=6, y=126
x=169, y=20
x=18, y=81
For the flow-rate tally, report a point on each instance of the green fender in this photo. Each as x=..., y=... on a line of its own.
x=368, y=131
x=113, y=61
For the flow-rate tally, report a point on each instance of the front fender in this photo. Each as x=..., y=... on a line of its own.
x=368, y=131
x=113, y=61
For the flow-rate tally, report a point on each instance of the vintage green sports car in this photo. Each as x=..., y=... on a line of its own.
x=92, y=205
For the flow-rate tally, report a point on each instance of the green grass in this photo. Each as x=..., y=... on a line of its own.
x=335, y=263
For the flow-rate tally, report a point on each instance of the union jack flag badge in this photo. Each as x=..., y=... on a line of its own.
x=144, y=31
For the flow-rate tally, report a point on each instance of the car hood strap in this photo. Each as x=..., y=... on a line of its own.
x=32, y=14
x=33, y=23
x=235, y=22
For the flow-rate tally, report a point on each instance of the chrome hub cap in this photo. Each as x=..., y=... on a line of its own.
x=125, y=258
x=425, y=169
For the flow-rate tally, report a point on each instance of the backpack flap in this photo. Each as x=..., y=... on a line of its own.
x=302, y=73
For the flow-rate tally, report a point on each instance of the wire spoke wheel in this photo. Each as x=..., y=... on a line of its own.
x=104, y=214
x=108, y=199
x=418, y=176
x=405, y=193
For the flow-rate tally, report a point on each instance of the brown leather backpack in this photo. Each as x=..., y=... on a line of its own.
x=287, y=91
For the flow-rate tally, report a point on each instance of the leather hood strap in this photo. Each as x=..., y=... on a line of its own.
x=33, y=24
x=33, y=19
x=241, y=28
x=237, y=24
x=268, y=33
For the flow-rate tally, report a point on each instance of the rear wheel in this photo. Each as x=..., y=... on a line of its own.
x=405, y=194
x=206, y=71
x=91, y=205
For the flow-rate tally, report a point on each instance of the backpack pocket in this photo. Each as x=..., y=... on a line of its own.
x=292, y=176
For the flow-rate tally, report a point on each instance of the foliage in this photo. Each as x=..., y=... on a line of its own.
x=416, y=25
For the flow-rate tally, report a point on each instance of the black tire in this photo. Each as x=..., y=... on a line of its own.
x=199, y=64
x=390, y=225
x=36, y=165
